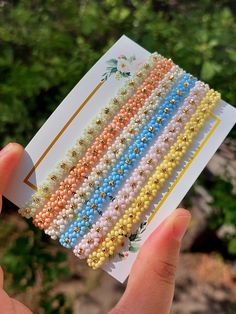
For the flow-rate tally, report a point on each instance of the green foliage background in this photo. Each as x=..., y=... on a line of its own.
x=47, y=46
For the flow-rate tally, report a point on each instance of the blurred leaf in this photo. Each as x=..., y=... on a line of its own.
x=209, y=70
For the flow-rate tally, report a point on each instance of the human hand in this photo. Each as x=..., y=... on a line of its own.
x=151, y=283
x=9, y=156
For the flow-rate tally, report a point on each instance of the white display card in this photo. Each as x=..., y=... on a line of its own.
x=75, y=112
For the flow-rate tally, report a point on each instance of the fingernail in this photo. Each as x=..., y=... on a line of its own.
x=5, y=149
x=180, y=225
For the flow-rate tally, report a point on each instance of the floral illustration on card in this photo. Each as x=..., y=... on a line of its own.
x=123, y=255
x=121, y=67
x=134, y=241
x=135, y=238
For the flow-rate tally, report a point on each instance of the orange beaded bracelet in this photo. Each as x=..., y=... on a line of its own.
x=67, y=187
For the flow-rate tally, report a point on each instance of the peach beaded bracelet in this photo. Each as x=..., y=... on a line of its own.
x=68, y=186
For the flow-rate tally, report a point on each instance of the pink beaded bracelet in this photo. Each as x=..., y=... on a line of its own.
x=146, y=166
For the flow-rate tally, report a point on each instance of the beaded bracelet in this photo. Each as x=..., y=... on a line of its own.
x=146, y=166
x=68, y=186
x=75, y=204
x=51, y=182
x=134, y=213
x=94, y=206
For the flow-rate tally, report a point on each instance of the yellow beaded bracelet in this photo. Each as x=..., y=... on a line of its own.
x=134, y=213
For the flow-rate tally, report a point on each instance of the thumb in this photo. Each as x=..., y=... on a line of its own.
x=151, y=283
x=9, y=157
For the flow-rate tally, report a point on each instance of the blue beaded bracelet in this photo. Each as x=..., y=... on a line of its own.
x=120, y=171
